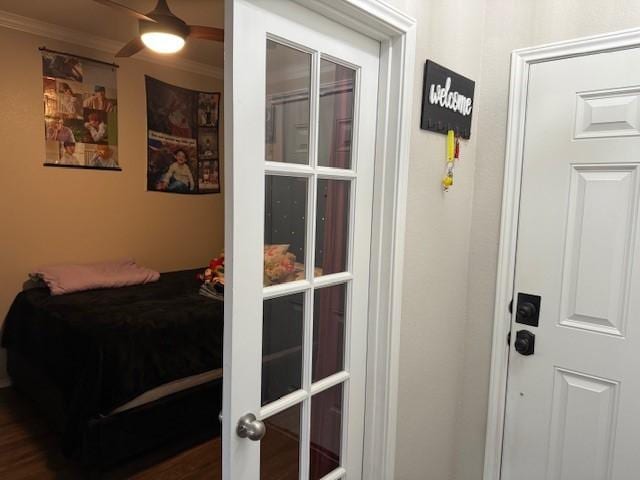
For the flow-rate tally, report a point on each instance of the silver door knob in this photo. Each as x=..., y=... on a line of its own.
x=250, y=427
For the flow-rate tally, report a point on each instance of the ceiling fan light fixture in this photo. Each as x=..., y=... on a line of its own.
x=163, y=42
x=161, y=30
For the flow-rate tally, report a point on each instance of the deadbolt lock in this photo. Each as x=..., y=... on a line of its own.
x=528, y=309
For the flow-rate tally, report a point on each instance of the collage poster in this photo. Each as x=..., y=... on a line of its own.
x=80, y=112
x=183, y=152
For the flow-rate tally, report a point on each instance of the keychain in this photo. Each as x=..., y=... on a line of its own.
x=453, y=154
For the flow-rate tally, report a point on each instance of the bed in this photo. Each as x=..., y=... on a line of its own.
x=120, y=371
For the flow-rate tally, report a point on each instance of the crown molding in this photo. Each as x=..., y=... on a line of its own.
x=64, y=34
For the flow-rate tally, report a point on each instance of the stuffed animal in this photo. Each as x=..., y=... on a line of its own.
x=215, y=271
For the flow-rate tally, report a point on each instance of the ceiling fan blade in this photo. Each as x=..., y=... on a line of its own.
x=125, y=9
x=206, y=33
x=131, y=48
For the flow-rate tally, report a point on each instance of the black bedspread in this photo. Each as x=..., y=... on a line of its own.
x=103, y=348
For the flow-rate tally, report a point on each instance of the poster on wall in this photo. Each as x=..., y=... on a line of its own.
x=183, y=155
x=80, y=112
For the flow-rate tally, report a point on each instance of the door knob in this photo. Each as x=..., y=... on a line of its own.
x=250, y=427
x=525, y=342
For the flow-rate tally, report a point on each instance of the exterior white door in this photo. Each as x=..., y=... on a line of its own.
x=300, y=136
x=573, y=408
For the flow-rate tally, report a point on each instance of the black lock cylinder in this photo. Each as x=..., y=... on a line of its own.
x=525, y=342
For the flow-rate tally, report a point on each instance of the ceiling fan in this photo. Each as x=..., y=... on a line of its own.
x=160, y=30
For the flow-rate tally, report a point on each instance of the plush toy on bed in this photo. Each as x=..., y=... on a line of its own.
x=213, y=277
x=214, y=271
x=280, y=266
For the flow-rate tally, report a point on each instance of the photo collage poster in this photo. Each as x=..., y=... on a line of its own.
x=80, y=112
x=183, y=155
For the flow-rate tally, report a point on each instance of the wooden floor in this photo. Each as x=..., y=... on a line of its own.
x=29, y=450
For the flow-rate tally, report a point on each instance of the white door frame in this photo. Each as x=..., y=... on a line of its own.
x=396, y=33
x=521, y=61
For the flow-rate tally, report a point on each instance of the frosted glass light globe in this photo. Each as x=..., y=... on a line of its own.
x=161, y=42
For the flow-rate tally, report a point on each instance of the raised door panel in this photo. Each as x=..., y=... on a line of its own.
x=583, y=420
x=598, y=249
x=613, y=113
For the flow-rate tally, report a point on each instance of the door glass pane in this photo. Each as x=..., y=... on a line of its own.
x=282, y=332
x=332, y=226
x=287, y=104
x=335, y=131
x=280, y=446
x=284, y=229
x=328, y=331
x=326, y=432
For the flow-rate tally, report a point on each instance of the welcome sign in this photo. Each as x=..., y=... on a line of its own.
x=447, y=101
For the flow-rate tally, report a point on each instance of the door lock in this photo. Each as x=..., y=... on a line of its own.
x=528, y=309
x=525, y=342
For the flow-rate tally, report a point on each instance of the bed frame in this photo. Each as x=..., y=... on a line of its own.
x=188, y=417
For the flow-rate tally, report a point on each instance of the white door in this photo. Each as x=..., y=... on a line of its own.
x=302, y=94
x=573, y=406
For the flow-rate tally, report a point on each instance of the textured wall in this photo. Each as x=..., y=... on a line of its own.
x=436, y=259
x=452, y=240
x=66, y=215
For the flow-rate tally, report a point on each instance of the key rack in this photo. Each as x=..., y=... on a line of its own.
x=447, y=101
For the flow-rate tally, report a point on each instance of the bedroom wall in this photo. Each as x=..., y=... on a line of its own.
x=66, y=215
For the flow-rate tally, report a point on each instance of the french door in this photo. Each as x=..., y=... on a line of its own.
x=300, y=137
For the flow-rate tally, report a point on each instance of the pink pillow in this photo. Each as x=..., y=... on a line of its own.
x=63, y=279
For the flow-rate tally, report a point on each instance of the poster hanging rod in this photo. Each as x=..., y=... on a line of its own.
x=45, y=49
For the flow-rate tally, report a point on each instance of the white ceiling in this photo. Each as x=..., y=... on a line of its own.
x=92, y=18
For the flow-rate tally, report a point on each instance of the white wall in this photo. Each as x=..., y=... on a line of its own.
x=452, y=239
x=437, y=246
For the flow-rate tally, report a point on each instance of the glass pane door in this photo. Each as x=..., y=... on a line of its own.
x=305, y=293
x=309, y=180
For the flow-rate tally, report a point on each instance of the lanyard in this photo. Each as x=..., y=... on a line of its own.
x=453, y=154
